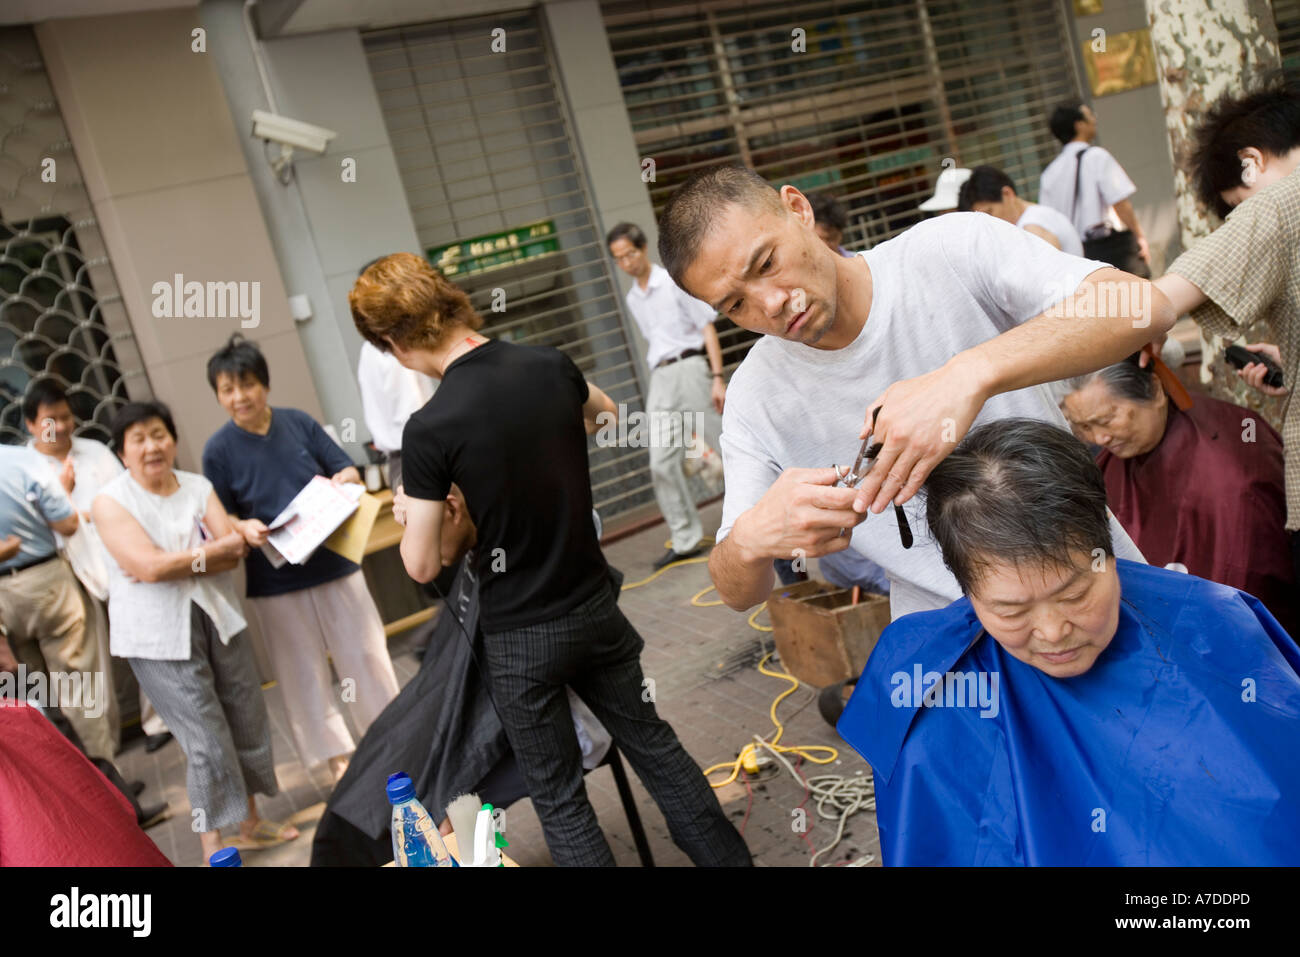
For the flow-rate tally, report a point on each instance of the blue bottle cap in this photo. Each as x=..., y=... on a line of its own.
x=226, y=857
x=400, y=787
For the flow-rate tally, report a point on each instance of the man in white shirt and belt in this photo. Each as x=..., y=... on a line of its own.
x=679, y=331
x=1089, y=186
x=989, y=190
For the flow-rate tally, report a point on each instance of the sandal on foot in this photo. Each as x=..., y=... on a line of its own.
x=266, y=834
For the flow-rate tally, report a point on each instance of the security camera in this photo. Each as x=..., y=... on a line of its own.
x=291, y=133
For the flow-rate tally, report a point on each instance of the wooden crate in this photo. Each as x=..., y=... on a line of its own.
x=821, y=635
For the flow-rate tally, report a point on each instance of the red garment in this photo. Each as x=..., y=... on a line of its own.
x=1212, y=501
x=56, y=809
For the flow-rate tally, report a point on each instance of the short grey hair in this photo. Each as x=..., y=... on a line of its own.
x=1019, y=491
x=1124, y=380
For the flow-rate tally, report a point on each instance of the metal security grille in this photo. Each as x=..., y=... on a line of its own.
x=501, y=204
x=1287, y=15
x=884, y=92
x=60, y=311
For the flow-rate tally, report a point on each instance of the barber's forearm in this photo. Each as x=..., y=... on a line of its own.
x=742, y=580
x=713, y=347
x=1052, y=347
x=1127, y=216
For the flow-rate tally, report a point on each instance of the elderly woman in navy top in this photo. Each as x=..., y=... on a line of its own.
x=257, y=462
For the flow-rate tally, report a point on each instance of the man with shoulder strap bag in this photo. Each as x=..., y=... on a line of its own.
x=1096, y=198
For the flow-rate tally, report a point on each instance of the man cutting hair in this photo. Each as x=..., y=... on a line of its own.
x=954, y=321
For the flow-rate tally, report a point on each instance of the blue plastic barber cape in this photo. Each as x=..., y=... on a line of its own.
x=1180, y=746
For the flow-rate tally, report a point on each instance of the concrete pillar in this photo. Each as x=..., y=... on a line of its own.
x=160, y=155
x=603, y=134
x=287, y=222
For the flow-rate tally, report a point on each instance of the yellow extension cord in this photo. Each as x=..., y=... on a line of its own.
x=748, y=749
x=695, y=600
x=847, y=795
x=801, y=750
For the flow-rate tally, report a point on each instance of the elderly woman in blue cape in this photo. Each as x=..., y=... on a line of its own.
x=1073, y=709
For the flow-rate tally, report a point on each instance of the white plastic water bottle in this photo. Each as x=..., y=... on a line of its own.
x=416, y=842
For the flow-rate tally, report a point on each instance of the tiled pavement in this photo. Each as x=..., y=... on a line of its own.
x=703, y=663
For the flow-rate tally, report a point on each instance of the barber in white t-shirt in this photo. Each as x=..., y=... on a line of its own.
x=685, y=360
x=956, y=321
x=989, y=190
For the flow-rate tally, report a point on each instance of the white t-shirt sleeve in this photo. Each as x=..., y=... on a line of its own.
x=1012, y=274
x=749, y=470
x=1113, y=183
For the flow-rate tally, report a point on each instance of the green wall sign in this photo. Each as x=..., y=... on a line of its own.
x=495, y=249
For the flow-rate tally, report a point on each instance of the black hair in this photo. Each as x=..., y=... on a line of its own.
x=629, y=231
x=1267, y=118
x=696, y=205
x=238, y=357
x=829, y=210
x=984, y=185
x=1019, y=491
x=133, y=413
x=43, y=391
x=1063, y=119
x=1125, y=380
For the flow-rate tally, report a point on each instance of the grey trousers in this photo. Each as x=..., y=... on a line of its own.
x=595, y=650
x=683, y=387
x=213, y=704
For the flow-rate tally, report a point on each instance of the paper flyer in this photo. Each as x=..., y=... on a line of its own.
x=308, y=520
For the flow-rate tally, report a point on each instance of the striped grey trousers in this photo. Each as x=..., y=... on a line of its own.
x=213, y=704
x=596, y=651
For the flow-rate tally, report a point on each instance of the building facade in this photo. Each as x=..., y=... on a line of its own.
x=499, y=139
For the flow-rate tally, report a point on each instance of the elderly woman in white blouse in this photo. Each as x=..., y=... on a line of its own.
x=174, y=616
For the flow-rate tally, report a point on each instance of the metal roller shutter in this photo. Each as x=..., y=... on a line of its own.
x=501, y=204
x=1287, y=15
x=885, y=92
